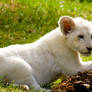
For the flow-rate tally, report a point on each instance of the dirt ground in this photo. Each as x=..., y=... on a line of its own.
x=82, y=82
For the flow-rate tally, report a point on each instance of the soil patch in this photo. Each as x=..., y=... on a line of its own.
x=82, y=82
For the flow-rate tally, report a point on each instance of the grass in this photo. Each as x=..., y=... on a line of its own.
x=24, y=21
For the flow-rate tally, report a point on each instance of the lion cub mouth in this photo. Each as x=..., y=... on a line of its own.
x=86, y=53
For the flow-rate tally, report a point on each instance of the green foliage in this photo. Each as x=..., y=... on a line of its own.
x=85, y=0
x=25, y=21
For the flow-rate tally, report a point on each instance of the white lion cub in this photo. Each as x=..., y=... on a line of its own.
x=54, y=54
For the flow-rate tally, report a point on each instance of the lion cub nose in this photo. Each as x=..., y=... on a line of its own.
x=89, y=48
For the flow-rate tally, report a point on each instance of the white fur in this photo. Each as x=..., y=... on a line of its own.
x=48, y=58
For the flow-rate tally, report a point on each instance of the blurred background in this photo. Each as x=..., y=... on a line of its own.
x=24, y=21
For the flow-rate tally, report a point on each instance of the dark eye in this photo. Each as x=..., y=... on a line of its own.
x=81, y=37
x=91, y=36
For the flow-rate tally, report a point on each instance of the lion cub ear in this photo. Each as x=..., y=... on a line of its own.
x=66, y=24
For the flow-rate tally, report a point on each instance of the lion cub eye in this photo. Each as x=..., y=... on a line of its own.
x=81, y=37
x=91, y=36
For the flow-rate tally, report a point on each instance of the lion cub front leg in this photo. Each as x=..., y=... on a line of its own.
x=85, y=66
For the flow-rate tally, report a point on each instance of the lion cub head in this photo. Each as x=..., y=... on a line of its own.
x=78, y=34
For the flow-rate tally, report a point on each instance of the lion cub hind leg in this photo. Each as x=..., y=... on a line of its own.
x=17, y=69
